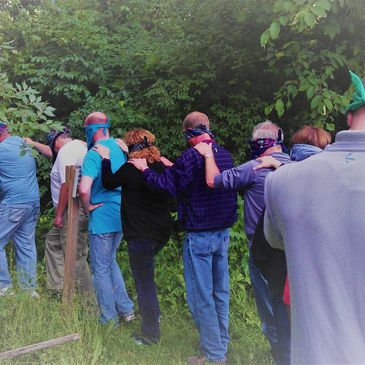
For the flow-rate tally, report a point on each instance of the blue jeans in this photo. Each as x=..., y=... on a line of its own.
x=107, y=278
x=207, y=289
x=273, y=315
x=17, y=223
x=141, y=257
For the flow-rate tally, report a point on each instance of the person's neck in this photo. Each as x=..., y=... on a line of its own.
x=99, y=135
x=4, y=136
x=272, y=150
x=204, y=137
x=358, y=125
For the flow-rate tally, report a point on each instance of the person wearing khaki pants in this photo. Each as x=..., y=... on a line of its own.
x=55, y=256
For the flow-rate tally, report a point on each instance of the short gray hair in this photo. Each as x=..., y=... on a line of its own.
x=266, y=129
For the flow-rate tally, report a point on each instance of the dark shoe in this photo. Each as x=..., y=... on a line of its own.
x=199, y=360
x=143, y=340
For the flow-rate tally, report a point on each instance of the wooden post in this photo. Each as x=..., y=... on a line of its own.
x=72, y=174
x=39, y=346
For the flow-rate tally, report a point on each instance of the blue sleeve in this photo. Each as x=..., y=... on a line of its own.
x=91, y=165
x=178, y=178
x=237, y=179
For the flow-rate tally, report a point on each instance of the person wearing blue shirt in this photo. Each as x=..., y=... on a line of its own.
x=19, y=210
x=105, y=229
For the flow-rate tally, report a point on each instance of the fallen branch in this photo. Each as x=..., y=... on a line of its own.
x=39, y=346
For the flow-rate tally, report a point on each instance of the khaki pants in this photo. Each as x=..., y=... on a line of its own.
x=55, y=257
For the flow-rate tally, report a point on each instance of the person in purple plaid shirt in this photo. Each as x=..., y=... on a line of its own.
x=206, y=214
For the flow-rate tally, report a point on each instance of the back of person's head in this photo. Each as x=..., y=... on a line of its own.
x=267, y=129
x=194, y=119
x=313, y=136
x=96, y=118
x=140, y=143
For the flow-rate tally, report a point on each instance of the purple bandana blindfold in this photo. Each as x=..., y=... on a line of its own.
x=260, y=145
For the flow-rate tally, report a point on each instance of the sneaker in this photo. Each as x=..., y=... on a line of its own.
x=143, y=340
x=199, y=360
x=129, y=317
x=34, y=294
x=6, y=291
x=196, y=360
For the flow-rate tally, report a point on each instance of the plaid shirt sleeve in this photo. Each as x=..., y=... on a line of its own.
x=178, y=178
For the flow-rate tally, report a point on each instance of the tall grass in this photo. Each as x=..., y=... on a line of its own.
x=24, y=321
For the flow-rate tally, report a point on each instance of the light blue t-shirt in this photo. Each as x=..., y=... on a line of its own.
x=105, y=219
x=18, y=180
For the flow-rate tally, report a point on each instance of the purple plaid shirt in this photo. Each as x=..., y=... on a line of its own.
x=200, y=208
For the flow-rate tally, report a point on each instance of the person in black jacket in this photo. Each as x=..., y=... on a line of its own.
x=146, y=222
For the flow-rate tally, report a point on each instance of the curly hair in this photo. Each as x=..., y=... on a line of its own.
x=151, y=154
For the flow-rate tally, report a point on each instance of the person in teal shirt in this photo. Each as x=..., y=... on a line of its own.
x=105, y=229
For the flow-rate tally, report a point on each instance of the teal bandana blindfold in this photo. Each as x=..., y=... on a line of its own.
x=91, y=129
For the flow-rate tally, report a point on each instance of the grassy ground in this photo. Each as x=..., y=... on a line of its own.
x=25, y=321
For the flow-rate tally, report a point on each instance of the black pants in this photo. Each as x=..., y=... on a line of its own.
x=141, y=258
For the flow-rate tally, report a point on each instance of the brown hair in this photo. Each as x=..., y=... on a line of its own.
x=151, y=154
x=312, y=135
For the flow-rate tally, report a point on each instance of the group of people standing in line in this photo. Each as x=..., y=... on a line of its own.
x=312, y=209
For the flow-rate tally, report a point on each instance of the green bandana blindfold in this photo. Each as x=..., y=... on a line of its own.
x=358, y=97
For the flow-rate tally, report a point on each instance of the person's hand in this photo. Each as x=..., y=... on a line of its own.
x=58, y=221
x=139, y=163
x=166, y=161
x=267, y=162
x=102, y=151
x=204, y=149
x=123, y=146
x=94, y=206
x=28, y=140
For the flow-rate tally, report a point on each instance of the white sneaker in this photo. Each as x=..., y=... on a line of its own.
x=6, y=291
x=128, y=317
x=34, y=294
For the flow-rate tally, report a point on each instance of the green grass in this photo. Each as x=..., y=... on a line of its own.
x=25, y=321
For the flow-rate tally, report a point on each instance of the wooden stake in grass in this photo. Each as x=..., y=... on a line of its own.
x=39, y=346
x=72, y=175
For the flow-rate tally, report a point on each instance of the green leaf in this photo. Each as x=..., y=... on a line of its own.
x=318, y=10
x=268, y=109
x=279, y=107
x=264, y=38
x=310, y=92
x=316, y=101
x=328, y=104
x=32, y=98
x=309, y=18
x=274, y=30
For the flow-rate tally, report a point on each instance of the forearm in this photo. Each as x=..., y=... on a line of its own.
x=85, y=201
x=44, y=149
x=211, y=170
x=85, y=192
x=62, y=201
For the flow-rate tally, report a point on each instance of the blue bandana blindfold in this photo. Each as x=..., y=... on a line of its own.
x=198, y=131
x=91, y=129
